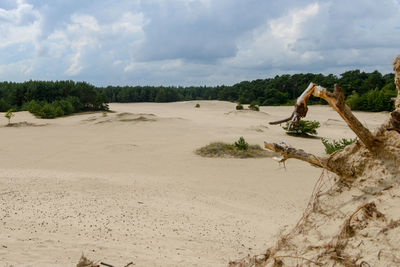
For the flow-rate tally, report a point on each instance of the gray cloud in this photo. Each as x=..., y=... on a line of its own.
x=201, y=30
x=189, y=42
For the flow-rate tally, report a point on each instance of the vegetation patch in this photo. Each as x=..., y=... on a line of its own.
x=254, y=106
x=333, y=146
x=239, y=149
x=25, y=124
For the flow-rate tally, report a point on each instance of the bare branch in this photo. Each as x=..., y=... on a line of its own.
x=288, y=152
x=300, y=109
x=282, y=121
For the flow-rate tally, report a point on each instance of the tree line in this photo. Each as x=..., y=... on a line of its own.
x=47, y=99
x=364, y=91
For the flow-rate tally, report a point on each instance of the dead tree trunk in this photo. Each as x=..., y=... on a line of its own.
x=372, y=142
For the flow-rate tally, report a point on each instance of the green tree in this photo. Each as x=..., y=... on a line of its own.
x=241, y=144
x=302, y=128
x=9, y=114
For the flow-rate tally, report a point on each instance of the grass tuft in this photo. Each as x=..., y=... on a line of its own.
x=224, y=150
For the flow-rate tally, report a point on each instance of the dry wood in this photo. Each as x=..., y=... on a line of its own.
x=336, y=101
x=288, y=152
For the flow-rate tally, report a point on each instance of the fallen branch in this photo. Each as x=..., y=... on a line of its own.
x=288, y=152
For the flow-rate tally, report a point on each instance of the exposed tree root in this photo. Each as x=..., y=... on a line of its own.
x=344, y=222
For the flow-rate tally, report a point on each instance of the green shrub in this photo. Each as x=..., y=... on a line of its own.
x=241, y=144
x=47, y=111
x=303, y=127
x=333, y=146
x=32, y=106
x=197, y=105
x=59, y=111
x=254, y=106
x=239, y=107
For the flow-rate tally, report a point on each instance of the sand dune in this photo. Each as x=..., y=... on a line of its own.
x=127, y=186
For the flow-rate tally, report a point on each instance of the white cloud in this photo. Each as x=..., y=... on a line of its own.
x=289, y=28
x=19, y=25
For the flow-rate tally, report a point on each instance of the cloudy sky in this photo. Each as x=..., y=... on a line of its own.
x=193, y=42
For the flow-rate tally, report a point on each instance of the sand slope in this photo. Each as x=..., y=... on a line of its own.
x=128, y=187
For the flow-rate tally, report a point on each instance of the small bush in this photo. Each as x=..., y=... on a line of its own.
x=241, y=144
x=47, y=111
x=197, y=105
x=333, y=146
x=254, y=106
x=303, y=128
x=239, y=107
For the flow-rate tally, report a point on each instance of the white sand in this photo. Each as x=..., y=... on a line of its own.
x=128, y=187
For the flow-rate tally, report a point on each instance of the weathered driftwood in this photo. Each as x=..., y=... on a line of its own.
x=288, y=152
x=336, y=101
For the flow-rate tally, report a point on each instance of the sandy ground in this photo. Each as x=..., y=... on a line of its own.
x=129, y=187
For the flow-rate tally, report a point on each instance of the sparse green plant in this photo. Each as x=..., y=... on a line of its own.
x=302, y=128
x=241, y=144
x=333, y=146
x=104, y=113
x=239, y=107
x=9, y=114
x=197, y=105
x=254, y=106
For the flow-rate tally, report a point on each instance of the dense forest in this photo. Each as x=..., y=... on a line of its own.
x=364, y=91
x=51, y=99
x=47, y=99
